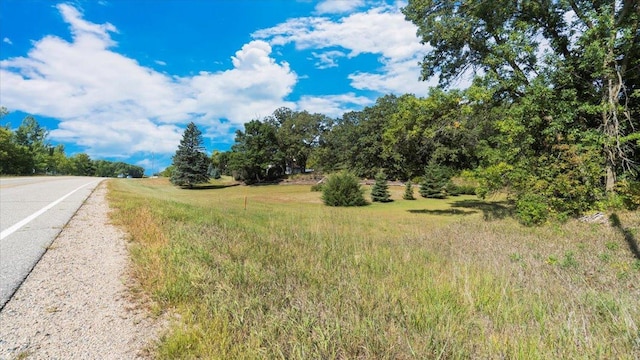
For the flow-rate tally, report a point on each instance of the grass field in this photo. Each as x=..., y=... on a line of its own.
x=270, y=272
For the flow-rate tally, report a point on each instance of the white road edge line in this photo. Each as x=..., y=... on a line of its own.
x=31, y=217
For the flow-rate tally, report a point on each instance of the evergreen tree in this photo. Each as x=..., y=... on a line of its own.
x=408, y=191
x=434, y=182
x=380, y=190
x=190, y=162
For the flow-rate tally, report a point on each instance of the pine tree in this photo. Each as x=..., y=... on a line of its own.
x=434, y=182
x=380, y=190
x=190, y=162
x=408, y=191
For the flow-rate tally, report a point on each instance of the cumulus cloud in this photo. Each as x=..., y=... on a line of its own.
x=381, y=31
x=6, y=40
x=333, y=105
x=327, y=59
x=113, y=106
x=338, y=6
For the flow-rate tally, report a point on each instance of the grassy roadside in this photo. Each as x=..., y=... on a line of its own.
x=290, y=278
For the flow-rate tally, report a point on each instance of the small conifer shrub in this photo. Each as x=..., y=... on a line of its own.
x=408, y=191
x=380, y=190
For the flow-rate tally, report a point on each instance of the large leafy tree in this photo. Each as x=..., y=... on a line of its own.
x=444, y=127
x=33, y=137
x=256, y=155
x=356, y=141
x=190, y=163
x=584, y=55
x=298, y=134
x=82, y=165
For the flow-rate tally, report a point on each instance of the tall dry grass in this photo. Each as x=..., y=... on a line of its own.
x=287, y=277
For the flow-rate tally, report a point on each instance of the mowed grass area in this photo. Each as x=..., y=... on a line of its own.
x=287, y=277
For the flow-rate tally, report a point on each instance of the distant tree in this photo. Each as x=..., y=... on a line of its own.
x=298, y=134
x=167, y=172
x=355, y=141
x=34, y=137
x=190, y=162
x=14, y=158
x=408, y=191
x=82, y=165
x=214, y=172
x=220, y=160
x=434, y=182
x=380, y=189
x=256, y=156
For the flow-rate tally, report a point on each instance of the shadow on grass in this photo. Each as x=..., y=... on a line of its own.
x=490, y=210
x=628, y=235
x=443, y=212
x=210, y=186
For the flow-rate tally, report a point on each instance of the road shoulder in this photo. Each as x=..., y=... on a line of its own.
x=77, y=302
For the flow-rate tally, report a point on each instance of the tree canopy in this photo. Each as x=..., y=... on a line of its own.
x=27, y=151
x=564, y=66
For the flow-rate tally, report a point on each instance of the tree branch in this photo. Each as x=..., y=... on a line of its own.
x=580, y=14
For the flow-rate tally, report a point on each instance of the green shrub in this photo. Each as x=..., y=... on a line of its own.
x=457, y=190
x=532, y=209
x=466, y=189
x=317, y=187
x=343, y=189
x=629, y=191
x=452, y=189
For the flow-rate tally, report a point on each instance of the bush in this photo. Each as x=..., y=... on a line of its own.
x=343, y=189
x=532, y=209
x=629, y=191
x=466, y=189
x=453, y=189
x=317, y=187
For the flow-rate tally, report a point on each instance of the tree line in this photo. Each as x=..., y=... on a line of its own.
x=552, y=115
x=27, y=151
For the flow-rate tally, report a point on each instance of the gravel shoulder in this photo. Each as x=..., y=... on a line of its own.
x=77, y=302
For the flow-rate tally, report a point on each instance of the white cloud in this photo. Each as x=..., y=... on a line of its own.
x=398, y=76
x=381, y=31
x=333, y=105
x=254, y=88
x=327, y=59
x=338, y=6
x=115, y=107
x=6, y=40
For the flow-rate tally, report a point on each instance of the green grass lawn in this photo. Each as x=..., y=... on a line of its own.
x=270, y=272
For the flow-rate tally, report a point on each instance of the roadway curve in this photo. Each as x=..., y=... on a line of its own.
x=33, y=211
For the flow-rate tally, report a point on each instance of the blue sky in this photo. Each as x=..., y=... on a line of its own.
x=120, y=79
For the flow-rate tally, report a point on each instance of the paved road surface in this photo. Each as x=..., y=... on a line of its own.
x=33, y=211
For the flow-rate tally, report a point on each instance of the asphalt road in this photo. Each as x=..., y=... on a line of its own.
x=33, y=211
